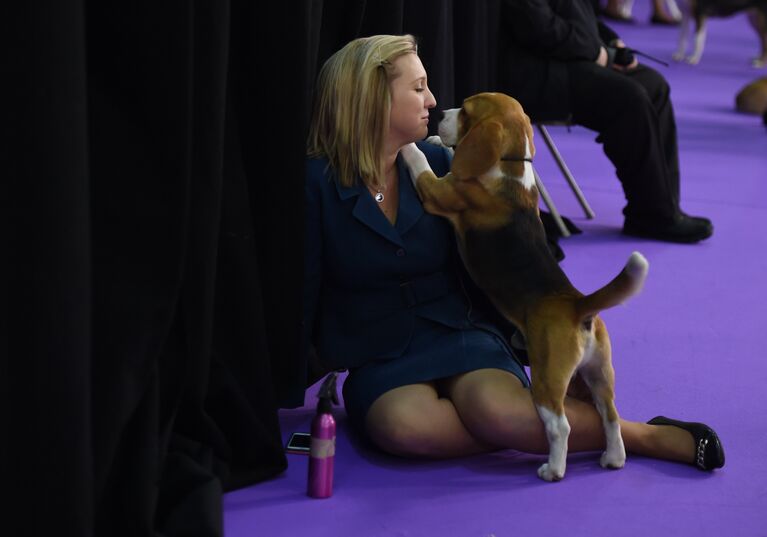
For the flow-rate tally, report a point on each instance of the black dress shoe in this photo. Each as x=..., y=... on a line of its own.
x=681, y=228
x=702, y=219
x=709, y=453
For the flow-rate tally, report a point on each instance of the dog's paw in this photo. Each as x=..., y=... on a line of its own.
x=415, y=160
x=678, y=56
x=546, y=473
x=758, y=63
x=614, y=461
x=692, y=60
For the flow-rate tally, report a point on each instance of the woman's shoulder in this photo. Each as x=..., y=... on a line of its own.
x=317, y=167
x=437, y=155
x=431, y=150
x=319, y=174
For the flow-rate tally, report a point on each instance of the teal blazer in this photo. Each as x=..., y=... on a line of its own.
x=367, y=280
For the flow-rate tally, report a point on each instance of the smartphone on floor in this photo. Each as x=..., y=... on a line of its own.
x=299, y=443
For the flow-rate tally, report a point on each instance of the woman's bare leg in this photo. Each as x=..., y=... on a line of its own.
x=619, y=9
x=414, y=421
x=658, y=441
x=496, y=409
x=667, y=9
x=489, y=409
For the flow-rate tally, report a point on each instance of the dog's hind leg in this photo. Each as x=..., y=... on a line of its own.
x=758, y=19
x=673, y=10
x=684, y=33
x=557, y=432
x=549, y=387
x=614, y=455
x=598, y=374
x=700, y=40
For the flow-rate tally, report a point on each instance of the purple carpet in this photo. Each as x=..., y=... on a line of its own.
x=689, y=347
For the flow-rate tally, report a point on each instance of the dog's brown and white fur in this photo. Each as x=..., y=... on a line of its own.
x=700, y=10
x=491, y=199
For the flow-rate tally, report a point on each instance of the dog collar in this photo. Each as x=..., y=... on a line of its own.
x=517, y=159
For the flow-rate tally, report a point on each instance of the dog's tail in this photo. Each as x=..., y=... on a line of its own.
x=625, y=285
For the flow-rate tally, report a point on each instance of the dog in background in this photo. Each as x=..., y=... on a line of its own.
x=752, y=99
x=701, y=10
x=491, y=199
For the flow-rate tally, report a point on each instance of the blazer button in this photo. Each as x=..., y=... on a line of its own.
x=400, y=252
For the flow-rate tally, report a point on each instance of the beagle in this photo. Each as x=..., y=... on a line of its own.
x=491, y=199
x=700, y=10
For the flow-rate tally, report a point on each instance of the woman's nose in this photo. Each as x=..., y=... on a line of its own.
x=432, y=101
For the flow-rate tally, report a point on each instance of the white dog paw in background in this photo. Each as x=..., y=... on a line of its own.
x=436, y=140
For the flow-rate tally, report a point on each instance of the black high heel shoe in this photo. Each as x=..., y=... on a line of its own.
x=709, y=453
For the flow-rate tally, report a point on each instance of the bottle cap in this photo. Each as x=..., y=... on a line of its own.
x=328, y=394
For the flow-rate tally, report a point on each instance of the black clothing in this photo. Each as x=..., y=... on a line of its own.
x=547, y=62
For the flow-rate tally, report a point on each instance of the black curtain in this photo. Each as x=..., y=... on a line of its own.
x=152, y=183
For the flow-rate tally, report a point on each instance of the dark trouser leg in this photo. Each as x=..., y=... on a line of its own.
x=660, y=95
x=635, y=120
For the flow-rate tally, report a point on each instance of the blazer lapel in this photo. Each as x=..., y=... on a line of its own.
x=366, y=211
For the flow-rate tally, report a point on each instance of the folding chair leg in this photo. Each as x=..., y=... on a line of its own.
x=550, y=205
x=566, y=171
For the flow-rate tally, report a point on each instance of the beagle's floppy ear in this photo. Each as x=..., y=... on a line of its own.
x=479, y=150
x=520, y=141
x=529, y=132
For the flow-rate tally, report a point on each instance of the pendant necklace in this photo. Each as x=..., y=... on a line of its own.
x=379, y=192
x=378, y=196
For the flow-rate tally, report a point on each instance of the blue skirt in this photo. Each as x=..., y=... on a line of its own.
x=436, y=351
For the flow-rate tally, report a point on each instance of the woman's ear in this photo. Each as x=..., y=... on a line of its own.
x=478, y=151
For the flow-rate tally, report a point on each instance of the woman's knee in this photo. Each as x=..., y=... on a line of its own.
x=402, y=429
x=505, y=418
x=493, y=412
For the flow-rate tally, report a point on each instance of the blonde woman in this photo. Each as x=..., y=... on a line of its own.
x=430, y=372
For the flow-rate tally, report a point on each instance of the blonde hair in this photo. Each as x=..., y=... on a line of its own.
x=352, y=105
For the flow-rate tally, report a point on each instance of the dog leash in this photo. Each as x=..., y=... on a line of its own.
x=640, y=53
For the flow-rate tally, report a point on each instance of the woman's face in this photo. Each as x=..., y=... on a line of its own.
x=410, y=101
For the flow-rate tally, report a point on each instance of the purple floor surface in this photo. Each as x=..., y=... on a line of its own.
x=689, y=346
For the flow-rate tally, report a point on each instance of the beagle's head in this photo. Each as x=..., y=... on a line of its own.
x=488, y=127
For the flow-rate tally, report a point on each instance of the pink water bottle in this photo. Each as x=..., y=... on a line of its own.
x=323, y=442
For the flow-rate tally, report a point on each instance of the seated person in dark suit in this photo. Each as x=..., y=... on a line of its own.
x=561, y=62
